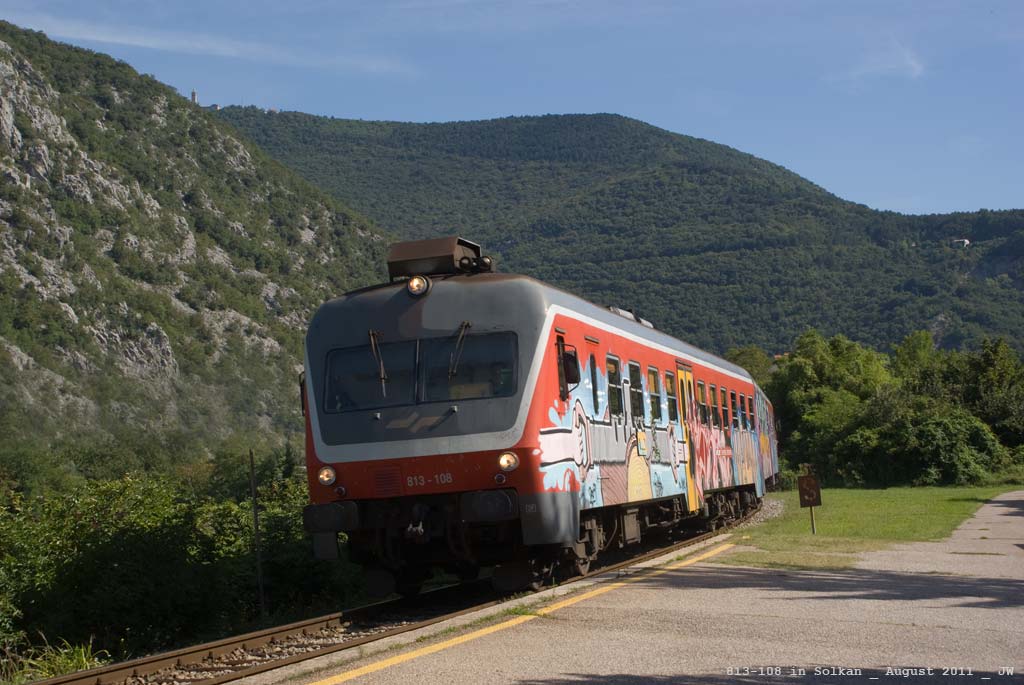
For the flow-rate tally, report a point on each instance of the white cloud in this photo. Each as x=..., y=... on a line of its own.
x=204, y=44
x=892, y=59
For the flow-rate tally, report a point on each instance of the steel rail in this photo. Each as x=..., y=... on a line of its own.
x=118, y=672
x=113, y=674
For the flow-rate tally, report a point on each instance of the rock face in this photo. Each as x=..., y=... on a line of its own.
x=154, y=268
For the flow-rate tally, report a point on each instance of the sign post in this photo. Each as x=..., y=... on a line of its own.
x=810, y=495
x=256, y=533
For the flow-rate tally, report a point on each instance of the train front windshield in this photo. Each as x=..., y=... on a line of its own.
x=458, y=367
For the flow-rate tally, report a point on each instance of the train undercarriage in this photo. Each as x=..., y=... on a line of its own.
x=401, y=542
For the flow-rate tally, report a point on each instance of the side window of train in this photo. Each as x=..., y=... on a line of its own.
x=670, y=391
x=614, y=386
x=654, y=388
x=743, y=413
x=725, y=408
x=753, y=413
x=568, y=368
x=702, y=402
x=636, y=391
x=593, y=385
x=735, y=415
x=715, y=418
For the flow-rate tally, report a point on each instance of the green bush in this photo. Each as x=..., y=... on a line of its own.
x=786, y=479
x=918, y=418
x=136, y=564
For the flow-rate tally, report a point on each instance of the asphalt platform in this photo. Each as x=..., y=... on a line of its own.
x=949, y=612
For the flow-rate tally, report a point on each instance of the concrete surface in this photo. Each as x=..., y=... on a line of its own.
x=921, y=606
x=989, y=544
x=310, y=671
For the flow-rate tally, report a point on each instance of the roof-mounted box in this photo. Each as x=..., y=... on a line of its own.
x=435, y=257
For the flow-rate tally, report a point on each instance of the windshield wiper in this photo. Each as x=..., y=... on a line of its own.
x=375, y=350
x=453, y=360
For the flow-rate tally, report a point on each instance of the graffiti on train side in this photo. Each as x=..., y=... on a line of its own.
x=612, y=459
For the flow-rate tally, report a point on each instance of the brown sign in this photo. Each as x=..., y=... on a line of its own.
x=810, y=491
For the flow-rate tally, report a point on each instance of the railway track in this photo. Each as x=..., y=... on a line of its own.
x=234, y=658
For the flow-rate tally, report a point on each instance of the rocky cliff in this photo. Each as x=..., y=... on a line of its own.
x=156, y=272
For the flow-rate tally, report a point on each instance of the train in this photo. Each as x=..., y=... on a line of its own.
x=460, y=418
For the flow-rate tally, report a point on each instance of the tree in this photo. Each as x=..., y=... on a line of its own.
x=995, y=391
x=753, y=359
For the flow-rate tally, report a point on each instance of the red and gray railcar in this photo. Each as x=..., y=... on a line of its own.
x=462, y=418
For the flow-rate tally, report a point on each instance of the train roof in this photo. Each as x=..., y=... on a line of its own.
x=638, y=327
x=550, y=294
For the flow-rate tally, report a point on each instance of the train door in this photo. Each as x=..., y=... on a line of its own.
x=684, y=374
x=638, y=448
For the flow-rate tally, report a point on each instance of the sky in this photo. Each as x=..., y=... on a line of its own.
x=915, y=107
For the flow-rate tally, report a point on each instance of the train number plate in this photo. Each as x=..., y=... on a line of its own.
x=422, y=481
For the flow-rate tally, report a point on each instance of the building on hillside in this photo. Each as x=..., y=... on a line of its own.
x=960, y=242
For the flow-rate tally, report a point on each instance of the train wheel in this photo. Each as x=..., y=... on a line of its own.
x=513, y=576
x=572, y=566
x=521, y=575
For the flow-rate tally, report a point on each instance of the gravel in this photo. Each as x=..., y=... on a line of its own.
x=240, y=659
x=770, y=508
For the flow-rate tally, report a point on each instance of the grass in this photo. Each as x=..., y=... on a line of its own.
x=48, y=661
x=854, y=521
x=527, y=609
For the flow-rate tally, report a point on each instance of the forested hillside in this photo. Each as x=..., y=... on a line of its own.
x=156, y=272
x=712, y=244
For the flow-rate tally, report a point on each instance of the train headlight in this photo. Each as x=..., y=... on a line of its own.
x=418, y=285
x=508, y=461
x=326, y=475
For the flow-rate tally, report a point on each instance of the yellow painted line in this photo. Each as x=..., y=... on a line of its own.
x=409, y=656
x=688, y=561
x=518, y=620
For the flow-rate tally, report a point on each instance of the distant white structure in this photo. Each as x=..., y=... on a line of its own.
x=195, y=98
x=960, y=242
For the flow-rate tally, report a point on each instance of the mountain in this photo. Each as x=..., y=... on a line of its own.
x=156, y=271
x=713, y=245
